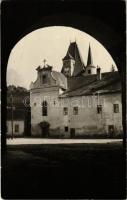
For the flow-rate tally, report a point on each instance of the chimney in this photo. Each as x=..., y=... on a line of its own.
x=98, y=73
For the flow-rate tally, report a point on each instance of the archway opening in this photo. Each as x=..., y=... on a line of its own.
x=68, y=51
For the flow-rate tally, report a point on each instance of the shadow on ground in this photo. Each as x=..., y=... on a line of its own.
x=63, y=171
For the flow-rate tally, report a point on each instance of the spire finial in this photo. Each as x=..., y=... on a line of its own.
x=89, y=59
x=44, y=62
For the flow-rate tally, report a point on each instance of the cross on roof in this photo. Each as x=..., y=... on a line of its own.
x=44, y=62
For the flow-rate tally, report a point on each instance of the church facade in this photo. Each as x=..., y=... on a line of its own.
x=79, y=101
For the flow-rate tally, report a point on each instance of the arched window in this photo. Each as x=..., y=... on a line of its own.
x=44, y=108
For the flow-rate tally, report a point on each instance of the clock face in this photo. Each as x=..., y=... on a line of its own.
x=66, y=63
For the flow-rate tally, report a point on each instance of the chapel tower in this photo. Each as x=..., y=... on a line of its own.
x=90, y=68
x=72, y=62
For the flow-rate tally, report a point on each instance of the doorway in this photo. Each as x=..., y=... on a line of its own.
x=44, y=129
x=72, y=132
x=111, y=131
x=45, y=132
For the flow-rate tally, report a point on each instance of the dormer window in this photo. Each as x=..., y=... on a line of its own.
x=44, y=79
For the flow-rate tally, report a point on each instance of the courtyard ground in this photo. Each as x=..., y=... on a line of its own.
x=55, y=170
x=19, y=141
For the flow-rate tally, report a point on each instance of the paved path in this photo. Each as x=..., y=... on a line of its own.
x=19, y=141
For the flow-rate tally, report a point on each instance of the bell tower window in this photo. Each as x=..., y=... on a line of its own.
x=89, y=71
x=44, y=79
x=66, y=63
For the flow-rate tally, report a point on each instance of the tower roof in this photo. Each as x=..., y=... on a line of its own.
x=68, y=56
x=89, y=59
x=74, y=53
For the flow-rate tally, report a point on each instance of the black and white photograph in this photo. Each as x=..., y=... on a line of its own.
x=64, y=99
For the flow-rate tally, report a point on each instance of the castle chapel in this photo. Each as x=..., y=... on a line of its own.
x=79, y=101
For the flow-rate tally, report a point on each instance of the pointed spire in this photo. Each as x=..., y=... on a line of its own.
x=89, y=59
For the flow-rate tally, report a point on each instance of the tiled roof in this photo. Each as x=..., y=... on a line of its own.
x=60, y=79
x=87, y=85
x=74, y=52
x=68, y=56
x=72, y=49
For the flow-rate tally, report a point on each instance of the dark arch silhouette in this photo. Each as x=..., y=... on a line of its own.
x=110, y=39
x=104, y=20
x=95, y=18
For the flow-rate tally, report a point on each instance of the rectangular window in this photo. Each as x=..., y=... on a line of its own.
x=116, y=108
x=44, y=112
x=66, y=128
x=75, y=110
x=99, y=109
x=16, y=128
x=65, y=111
x=44, y=108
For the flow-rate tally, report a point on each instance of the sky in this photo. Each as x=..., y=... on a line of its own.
x=51, y=43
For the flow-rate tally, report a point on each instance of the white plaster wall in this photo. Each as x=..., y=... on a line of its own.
x=88, y=121
x=50, y=94
x=93, y=70
x=85, y=123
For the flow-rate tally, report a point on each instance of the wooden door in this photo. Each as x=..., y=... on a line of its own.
x=72, y=132
x=111, y=130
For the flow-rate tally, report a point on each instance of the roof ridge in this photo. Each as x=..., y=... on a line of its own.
x=95, y=80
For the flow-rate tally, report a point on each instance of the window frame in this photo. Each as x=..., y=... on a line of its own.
x=66, y=129
x=65, y=110
x=75, y=112
x=44, y=106
x=99, y=111
x=116, y=108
